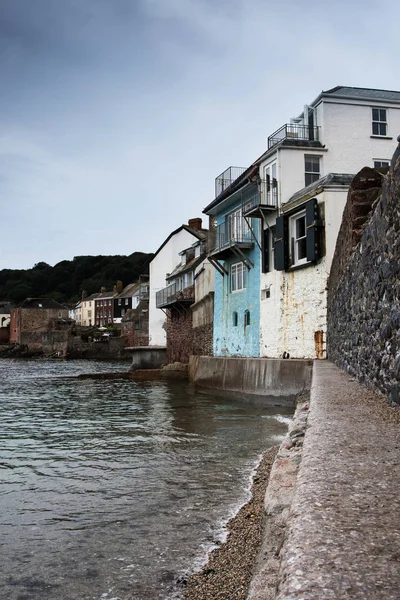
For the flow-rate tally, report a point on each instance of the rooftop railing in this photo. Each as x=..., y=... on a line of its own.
x=293, y=131
x=223, y=181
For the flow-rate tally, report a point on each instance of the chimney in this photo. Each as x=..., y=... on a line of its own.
x=119, y=286
x=195, y=223
x=115, y=289
x=84, y=294
x=102, y=289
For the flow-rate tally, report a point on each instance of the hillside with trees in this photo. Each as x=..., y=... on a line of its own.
x=66, y=280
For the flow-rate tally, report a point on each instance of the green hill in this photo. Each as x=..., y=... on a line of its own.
x=66, y=280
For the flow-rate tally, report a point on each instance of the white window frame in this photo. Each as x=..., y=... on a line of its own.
x=381, y=160
x=312, y=173
x=378, y=121
x=238, y=277
x=271, y=190
x=297, y=240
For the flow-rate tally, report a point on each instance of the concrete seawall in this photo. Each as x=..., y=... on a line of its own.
x=258, y=376
x=340, y=521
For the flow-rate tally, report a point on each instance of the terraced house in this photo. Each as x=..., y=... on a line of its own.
x=276, y=222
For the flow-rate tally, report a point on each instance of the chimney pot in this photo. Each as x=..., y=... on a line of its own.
x=195, y=223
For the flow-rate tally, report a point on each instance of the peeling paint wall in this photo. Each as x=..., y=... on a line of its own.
x=240, y=340
x=293, y=318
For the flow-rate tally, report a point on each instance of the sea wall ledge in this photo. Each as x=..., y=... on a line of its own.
x=342, y=535
x=253, y=376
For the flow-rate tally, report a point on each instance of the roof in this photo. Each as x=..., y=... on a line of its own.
x=46, y=303
x=5, y=308
x=199, y=234
x=129, y=290
x=189, y=266
x=104, y=295
x=356, y=93
x=332, y=180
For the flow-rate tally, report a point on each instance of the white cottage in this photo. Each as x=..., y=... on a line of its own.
x=164, y=262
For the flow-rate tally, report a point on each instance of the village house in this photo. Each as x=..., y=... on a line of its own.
x=124, y=301
x=76, y=313
x=164, y=262
x=39, y=323
x=135, y=321
x=88, y=309
x=277, y=222
x=177, y=298
x=104, y=306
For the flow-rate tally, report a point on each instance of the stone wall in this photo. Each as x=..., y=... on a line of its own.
x=179, y=335
x=203, y=325
x=364, y=284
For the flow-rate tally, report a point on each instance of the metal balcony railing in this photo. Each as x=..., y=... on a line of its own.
x=234, y=230
x=224, y=180
x=266, y=197
x=293, y=131
x=174, y=293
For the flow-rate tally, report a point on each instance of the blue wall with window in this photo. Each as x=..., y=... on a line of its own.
x=237, y=311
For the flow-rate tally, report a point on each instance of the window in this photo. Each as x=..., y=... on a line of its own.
x=312, y=169
x=235, y=319
x=271, y=185
x=381, y=163
x=238, y=277
x=126, y=301
x=119, y=301
x=297, y=235
x=246, y=318
x=122, y=312
x=379, y=121
x=238, y=229
x=298, y=238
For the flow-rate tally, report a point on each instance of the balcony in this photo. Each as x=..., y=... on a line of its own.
x=294, y=132
x=223, y=181
x=231, y=236
x=263, y=201
x=173, y=294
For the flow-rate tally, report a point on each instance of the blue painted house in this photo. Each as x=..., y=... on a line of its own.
x=236, y=248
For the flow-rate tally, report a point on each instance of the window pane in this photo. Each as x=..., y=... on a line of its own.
x=244, y=276
x=300, y=227
x=302, y=249
x=382, y=114
x=375, y=128
x=382, y=128
x=375, y=114
x=240, y=279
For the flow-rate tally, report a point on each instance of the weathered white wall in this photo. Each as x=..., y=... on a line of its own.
x=204, y=280
x=164, y=262
x=297, y=307
x=346, y=133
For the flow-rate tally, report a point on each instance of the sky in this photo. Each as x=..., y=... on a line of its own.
x=117, y=115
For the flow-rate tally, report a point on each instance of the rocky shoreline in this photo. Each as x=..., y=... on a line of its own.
x=228, y=572
x=247, y=564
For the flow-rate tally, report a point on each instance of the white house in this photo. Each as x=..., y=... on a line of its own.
x=76, y=313
x=164, y=262
x=297, y=189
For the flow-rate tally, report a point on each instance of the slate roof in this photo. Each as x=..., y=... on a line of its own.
x=199, y=234
x=129, y=290
x=356, y=93
x=331, y=180
x=41, y=303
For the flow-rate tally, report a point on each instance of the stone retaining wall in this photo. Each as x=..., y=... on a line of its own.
x=364, y=284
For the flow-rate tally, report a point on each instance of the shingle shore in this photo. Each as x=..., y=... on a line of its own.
x=228, y=573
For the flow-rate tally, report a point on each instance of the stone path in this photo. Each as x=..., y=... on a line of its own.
x=343, y=534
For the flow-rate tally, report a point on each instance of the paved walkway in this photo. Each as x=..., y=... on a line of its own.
x=343, y=539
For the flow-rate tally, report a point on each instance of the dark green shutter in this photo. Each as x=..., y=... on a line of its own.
x=281, y=244
x=265, y=260
x=312, y=226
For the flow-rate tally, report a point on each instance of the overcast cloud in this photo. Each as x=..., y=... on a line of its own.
x=117, y=115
